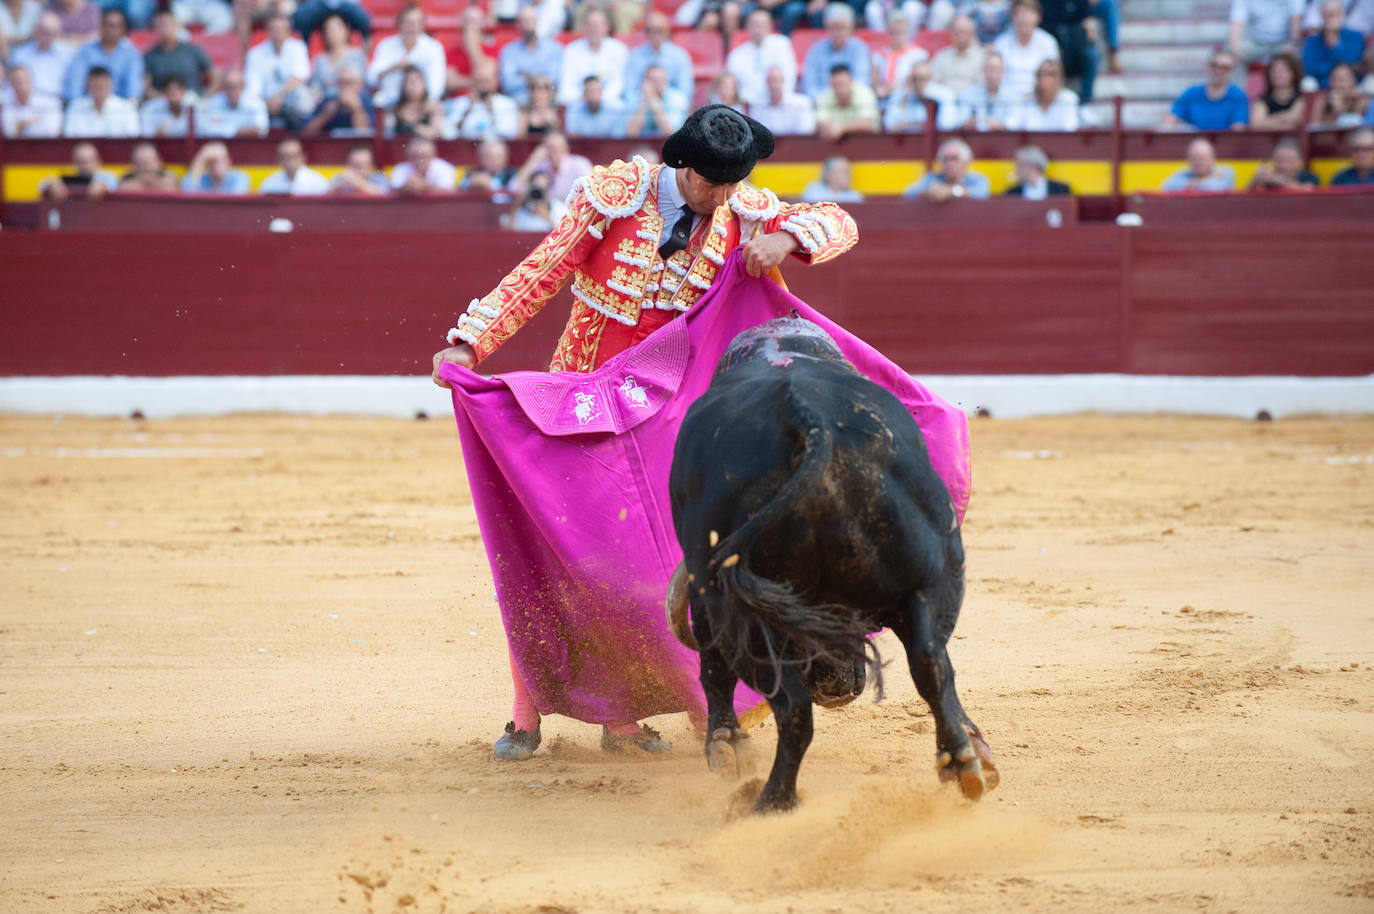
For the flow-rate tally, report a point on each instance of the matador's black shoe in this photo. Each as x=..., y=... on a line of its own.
x=517, y=745
x=646, y=740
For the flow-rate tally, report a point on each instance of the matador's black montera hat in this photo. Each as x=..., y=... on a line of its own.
x=718, y=143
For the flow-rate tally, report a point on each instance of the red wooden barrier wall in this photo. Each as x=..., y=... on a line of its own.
x=1254, y=298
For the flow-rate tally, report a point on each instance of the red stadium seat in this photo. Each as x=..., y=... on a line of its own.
x=932, y=40
x=802, y=41
x=384, y=12
x=706, y=50
x=143, y=39
x=1254, y=83
x=224, y=49
x=443, y=14
x=876, y=40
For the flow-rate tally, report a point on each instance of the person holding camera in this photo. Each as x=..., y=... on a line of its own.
x=535, y=211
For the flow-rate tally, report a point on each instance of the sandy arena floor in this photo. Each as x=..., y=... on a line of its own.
x=255, y=664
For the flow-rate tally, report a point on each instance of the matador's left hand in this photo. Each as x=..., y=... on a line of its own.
x=763, y=252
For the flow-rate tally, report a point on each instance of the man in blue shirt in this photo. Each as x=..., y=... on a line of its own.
x=1332, y=45
x=47, y=58
x=955, y=180
x=658, y=52
x=115, y=52
x=839, y=47
x=1215, y=104
x=528, y=56
x=592, y=114
x=212, y=173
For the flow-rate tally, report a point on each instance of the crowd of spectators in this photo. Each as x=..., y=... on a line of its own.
x=1009, y=64
x=72, y=70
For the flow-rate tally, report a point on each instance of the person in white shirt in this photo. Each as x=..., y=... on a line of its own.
x=1050, y=106
x=27, y=114
x=751, y=61
x=277, y=71
x=1024, y=47
x=409, y=47
x=598, y=55
x=960, y=65
x=1262, y=28
x=18, y=18
x=423, y=172
x=784, y=111
x=45, y=57
x=100, y=113
x=294, y=177
x=985, y=106
x=168, y=114
x=232, y=112
x=907, y=113
x=482, y=111
x=1359, y=15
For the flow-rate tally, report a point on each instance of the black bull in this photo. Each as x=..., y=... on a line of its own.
x=810, y=517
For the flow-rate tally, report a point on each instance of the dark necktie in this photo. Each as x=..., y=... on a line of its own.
x=677, y=241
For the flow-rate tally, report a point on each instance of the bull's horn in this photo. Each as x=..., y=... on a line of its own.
x=676, y=604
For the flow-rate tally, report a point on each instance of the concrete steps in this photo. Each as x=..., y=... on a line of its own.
x=1173, y=31
x=1146, y=85
x=1157, y=58
x=1135, y=113
x=1176, y=9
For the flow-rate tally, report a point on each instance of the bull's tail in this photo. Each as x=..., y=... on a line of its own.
x=765, y=621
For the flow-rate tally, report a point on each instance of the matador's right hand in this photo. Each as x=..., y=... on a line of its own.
x=461, y=354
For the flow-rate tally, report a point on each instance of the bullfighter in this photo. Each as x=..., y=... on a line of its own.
x=641, y=243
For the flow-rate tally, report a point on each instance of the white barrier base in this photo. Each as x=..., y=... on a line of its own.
x=1003, y=396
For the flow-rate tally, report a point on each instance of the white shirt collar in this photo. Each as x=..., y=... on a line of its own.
x=1036, y=190
x=668, y=191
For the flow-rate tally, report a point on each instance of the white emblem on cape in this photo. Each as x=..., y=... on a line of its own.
x=585, y=410
x=633, y=392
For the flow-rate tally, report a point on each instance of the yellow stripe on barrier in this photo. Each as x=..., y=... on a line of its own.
x=1087, y=177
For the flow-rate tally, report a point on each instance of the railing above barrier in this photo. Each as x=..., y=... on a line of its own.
x=125, y=212
x=1135, y=145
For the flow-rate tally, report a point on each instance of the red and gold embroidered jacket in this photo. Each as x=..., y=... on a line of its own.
x=608, y=245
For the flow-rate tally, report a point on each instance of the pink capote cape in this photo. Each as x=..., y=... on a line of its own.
x=569, y=477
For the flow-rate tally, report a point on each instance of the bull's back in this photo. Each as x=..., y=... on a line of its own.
x=876, y=521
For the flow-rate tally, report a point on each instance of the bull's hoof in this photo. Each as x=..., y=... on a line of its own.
x=972, y=767
x=768, y=804
x=646, y=740
x=727, y=752
x=516, y=745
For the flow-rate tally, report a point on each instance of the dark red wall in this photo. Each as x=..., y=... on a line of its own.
x=1253, y=298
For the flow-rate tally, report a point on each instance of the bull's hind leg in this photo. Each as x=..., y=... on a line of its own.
x=723, y=732
x=961, y=753
x=792, y=711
